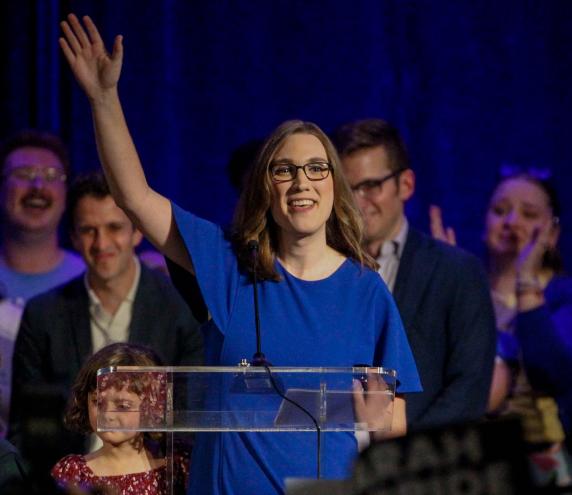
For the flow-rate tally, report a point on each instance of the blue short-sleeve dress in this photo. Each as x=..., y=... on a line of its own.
x=344, y=319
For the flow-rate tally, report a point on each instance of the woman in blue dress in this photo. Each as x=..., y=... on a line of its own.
x=320, y=302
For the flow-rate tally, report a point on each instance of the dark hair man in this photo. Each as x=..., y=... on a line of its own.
x=116, y=300
x=441, y=291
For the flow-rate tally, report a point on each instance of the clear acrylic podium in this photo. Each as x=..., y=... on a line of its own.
x=243, y=399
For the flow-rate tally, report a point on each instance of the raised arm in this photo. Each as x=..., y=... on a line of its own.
x=97, y=72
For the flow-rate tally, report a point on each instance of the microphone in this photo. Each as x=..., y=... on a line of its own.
x=255, y=382
x=258, y=359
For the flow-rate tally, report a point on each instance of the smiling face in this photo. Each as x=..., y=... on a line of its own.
x=32, y=194
x=106, y=239
x=517, y=209
x=382, y=208
x=117, y=409
x=302, y=207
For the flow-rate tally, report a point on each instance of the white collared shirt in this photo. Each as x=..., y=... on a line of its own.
x=390, y=254
x=107, y=328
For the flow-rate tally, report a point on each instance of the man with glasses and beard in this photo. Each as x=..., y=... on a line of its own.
x=34, y=168
x=441, y=291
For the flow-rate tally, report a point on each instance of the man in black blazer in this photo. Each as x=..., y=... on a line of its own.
x=441, y=291
x=116, y=300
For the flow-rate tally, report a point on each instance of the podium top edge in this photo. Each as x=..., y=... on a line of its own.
x=249, y=369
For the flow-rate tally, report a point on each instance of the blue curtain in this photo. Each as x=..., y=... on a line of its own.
x=470, y=84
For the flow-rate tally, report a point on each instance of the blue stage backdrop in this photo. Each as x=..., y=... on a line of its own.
x=470, y=84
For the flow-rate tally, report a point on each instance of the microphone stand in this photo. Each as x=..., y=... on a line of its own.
x=269, y=383
x=258, y=359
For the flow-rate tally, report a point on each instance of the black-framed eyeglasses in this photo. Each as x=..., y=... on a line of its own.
x=286, y=172
x=31, y=173
x=372, y=187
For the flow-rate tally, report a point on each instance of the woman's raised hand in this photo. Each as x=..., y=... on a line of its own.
x=529, y=262
x=96, y=71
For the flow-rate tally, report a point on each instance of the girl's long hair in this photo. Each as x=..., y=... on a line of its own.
x=120, y=354
x=253, y=219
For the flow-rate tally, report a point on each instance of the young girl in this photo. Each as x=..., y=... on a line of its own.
x=124, y=464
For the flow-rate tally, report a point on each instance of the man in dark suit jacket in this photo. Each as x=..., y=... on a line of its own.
x=441, y=291
x=117, y=299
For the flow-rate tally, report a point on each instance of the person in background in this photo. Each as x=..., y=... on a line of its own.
x=441, y=292
x=533, y=306
x=116, y=300
x=34, y=169
x=126, y=462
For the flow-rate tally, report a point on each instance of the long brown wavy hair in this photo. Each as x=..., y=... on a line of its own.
x=120, y=354
x=253, y=219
